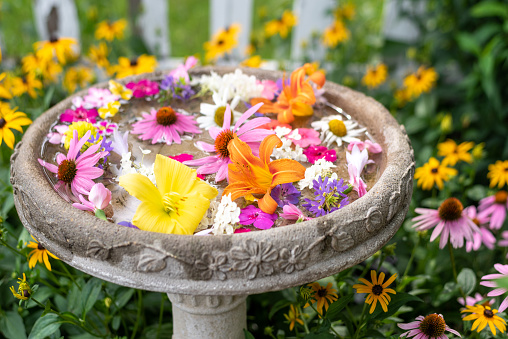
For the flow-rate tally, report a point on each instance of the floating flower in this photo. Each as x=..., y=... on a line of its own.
x=119, y=143
x=99, y=97
x=127, y=224
x=451, y=221
x=77, y=77
x=250, y=175
x=9, y=120
x=98, y=199
x=335, y=34
x=273, y=124
x=329, y=196
x=59, y=47
x=223, y=41
x=24, y=290
x=477, y=299
x=39, y=255
x=76, y=172
x=307, y=137
x=243, y=129
x=498, y=173
x=335, y=130
x=79, y=114
x=177, y=88
x=285, y=194
x=281, y=26
x=356, y=161
x=483, y=316
x=228, y=214
x=497, y=291
x=58, y=137
x=432, y=173
x=143, y=88
x=178, y=202
x=109, y=110
x=428, y=327
x=165, y=125
x=292, y=212
x=143, y=64
x=251, y=215
x=185, y=157
x=106, y=128
x=82, y=127
x=321, y=168
x=323, y=296
x=181, y=73
x=371, y=147
x=316, y=75
x=314, y=153
x=109, y=31
x=293, y=317
x=213, y=115
x=377, y=290
x=422, y=81
x=287, y=150
x=495, y=207
x=269, y=89
x=235, y=83
x=119, y=90
x=454, y=153
x=375, y=76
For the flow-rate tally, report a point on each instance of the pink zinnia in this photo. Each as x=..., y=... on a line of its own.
x=99, y=97
x=497, y=291
x=76, y=171
x=450, y=220
x=308, y=137
x=495, y=207
x=371, y=147
x=143, y=88
x=432, y=326
x=249, y=133
x=79, y=114
x=165, y=125
x=484, y=236
x=184, y=157
x=314, y=153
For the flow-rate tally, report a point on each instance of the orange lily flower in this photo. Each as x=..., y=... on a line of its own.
x=315, y=74
x=295, y=99
x=252, y=175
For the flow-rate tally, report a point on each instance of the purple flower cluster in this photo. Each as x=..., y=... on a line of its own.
x=285, y=194
x=106, y=146
x=329, y=196
x=178, y=88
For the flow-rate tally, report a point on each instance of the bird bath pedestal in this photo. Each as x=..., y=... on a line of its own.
x=208, y=278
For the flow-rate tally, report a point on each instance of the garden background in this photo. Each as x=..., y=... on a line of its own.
x=448, y=87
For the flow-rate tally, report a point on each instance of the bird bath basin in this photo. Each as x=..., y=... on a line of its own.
x=208, y=278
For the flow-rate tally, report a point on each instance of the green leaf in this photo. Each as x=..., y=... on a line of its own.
x=12, y=326
x=320, y=335
x=468, y=43
x=248, y=335
x=467, y=280
x=277, y=307
x=43, y=294
x=89, y=295
x=502, y=283
x=123, y=297
x=100, y=214
x=398, y=300
x=336, y=307
x=489, y=8
x=477, y=192
x=45, y=326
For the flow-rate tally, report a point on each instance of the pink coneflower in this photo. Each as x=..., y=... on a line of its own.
x=98, y=97
x=497, y=291
x=308, y=137
x=371, y=147
x=143, y=88
x=495, y=206
x=432, y=326
x=484, y=236
x=314, y=153
x=249, y=133
x=79, y=114
x=450, y=220
x=165, y=125
x=76, y=172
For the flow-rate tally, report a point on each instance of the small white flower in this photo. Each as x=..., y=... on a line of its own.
x=286, y=151
x=145, y=151
x=210, y=111
x=237, y=83
x=334, y=129
x=320, y=168
x=228, y=214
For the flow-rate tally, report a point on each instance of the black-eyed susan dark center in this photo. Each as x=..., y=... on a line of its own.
x=434, y=170
x=377, y=289
x=2, y=122
x=166, y=116
x=40, y=247
x=219, y=116
x=222, y=141
x=67, y=171
x=337, y=127
x=488, y=313
x=322, y=292
x=451, y=209
x=134, y=62
x=501, y=197
x=433, y=326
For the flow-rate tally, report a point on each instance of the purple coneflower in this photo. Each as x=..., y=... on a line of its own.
x=432, y=326
x=484, y=236
x=497, y=291
x=495, y=206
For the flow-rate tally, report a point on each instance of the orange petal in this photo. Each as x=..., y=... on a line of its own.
x=267, y=204
x=240, y=153
x=318, y=78
x=266, y=148
x=268, y=107
x=301, y=109
x=286, y=170
x=286, y=116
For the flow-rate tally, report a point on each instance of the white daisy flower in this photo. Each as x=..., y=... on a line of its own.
x=213, y=115
x=334, y=129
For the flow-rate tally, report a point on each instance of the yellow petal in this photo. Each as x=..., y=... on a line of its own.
x=142, y=188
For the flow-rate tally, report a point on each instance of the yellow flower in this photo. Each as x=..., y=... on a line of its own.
x=82, y=127
x=447, y=123
x=454, y=153
x=110, y=110
x=49, y=69
x=110, y=30
x=498, y=173
x=377, y=290
x=27, y=84
x=254, y=61
x=346, y=11
x=39, y=254
x=483, y=316
x=10, y=119
x=375, y=76
x=4, y=90
x=432, y=173
x=335, y=33
x=422, y=81
x=293, y=317
x=99, y=55
x=143, y=64
x=281, y=26
x=61, y=48
x=120, y=90
x=77, y=76
x=402, y=96
x=322, y=295
x=24, y=290
x=176, y=205
x=222, y=42
x=477, y=151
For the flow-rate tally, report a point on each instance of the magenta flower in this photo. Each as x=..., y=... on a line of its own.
x=98, y=199
x=371, y=147
x=165, y=125
x=253, y=215
x=477, y=299
x=432, y=326
x=308, y=137
x=143, y=88
x=106, y=128
x=484, y=236
x=76, y=171
x=181, y=72
x=98, y=97
x=242, y=230
x=291, y=212
x=449, y=221
x=247, y=131
x=79, y=114
x=314, y=153
x=495, y=207
x=497, y=291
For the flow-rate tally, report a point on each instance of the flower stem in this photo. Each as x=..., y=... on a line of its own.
x=12, y=248
x=454, y=269
x=360, y=324
x=303, y=319
x=69, y=275
x=161, y=313
x=138, y=316
x=410, y=262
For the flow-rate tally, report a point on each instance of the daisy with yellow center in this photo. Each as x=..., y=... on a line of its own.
x=39, y=255
x=375, y=76
x=143, y=64
x=335, y=34
x=483, y=315
x=432, y=173
x=61, y=48
x=24, y=290
x=222, y=42
x=26, y=84
x=293, y=317
x=110, y=30
x=118, y=89
x=281, y=26
x=377, y=290
x=99, y=55
x=176, y=205
x=454, y=153
x=77, y=77
x=10, y=119
x=498, y=173
x=335, y=130
x=323, y=296
x=423, y=80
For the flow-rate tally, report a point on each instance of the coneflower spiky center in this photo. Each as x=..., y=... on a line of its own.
x=501, y=197
x=166, y=116
x=222, y=141
x=67, y=171
x=433, y=326
x=451, y=209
